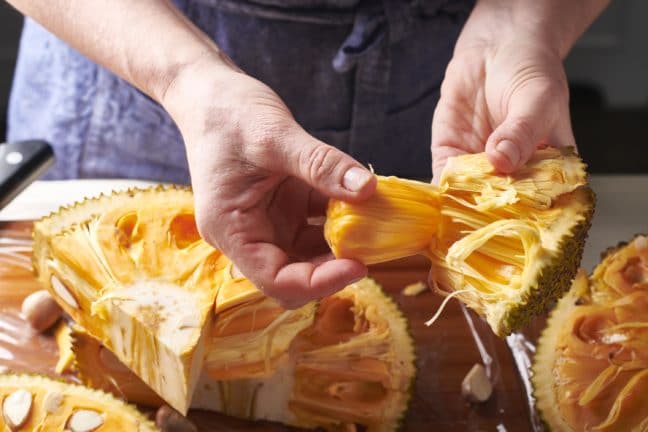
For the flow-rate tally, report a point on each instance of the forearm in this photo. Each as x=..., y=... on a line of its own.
x=146, y=42
x=555, y=23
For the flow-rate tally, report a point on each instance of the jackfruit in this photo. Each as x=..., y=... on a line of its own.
x=345, y=360
x=132, y=270
x=590, y=371
x=40, y=404
x=507, y=244
x=352, y=365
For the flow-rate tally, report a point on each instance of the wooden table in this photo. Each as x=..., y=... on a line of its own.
x=445, y=353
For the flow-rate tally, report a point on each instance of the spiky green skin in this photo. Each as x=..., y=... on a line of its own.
x=555, y=278
x=543, y=364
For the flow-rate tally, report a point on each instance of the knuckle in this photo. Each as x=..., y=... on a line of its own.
x=523, y=129
x=320, y=162
x=265, y=137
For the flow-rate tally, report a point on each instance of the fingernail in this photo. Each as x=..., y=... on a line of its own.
x=509, y=150
x=355, y=179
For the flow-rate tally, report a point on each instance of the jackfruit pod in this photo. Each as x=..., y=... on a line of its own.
x=507, y=244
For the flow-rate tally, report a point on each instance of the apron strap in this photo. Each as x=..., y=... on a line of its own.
x=377, y=25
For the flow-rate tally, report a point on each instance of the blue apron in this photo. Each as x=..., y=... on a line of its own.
x=362, y=75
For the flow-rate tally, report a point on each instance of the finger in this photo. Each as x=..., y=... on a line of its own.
x=563, y=134
x=328, y=170
x=294, y=284
x=531, y=117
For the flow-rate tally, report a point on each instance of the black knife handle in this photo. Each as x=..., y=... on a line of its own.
x=20, y=164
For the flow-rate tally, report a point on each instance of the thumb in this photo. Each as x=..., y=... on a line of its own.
x=328, y=170
x=531, y=116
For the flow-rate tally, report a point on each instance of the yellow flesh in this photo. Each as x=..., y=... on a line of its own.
x=487, y=233
x=596, y=347
x=117, y=416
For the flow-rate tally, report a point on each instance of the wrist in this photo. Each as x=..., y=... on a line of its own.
x=190, y=86
x=553, y=24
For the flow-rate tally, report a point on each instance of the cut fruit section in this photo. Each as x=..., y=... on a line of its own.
x=131, y=270
x=352, y=363
x=591, y=366
x=36, y=403
x=510, y=243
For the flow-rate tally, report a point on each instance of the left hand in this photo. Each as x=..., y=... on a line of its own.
x=504, y=93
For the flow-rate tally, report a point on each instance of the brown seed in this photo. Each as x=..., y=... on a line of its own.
x=476, y=387
x=170, y=420
x=41, y=310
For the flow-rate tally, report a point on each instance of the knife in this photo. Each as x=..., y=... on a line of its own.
x=20, y=164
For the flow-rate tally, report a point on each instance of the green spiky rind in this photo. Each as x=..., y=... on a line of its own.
x=70, y=389
x=403, y=341
x=555, y=278
x=542, y=377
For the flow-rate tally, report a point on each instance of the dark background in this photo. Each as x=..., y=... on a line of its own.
x=607, y=70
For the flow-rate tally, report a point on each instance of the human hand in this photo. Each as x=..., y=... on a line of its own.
x=257, y=176
x=505, y=92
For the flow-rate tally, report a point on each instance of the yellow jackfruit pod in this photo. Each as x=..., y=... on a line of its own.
x=40, y=404
x=590, y=371
x=508, y=244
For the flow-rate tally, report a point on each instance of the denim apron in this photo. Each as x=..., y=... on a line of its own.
x=362, y=75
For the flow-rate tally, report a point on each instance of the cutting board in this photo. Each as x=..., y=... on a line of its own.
x=445, y=353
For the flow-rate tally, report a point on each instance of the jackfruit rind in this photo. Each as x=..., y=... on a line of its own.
x=131, y=269
x=509, y=243
x=591, y=366
x=54, y=402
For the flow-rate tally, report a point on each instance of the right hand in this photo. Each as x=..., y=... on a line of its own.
x=257, y=176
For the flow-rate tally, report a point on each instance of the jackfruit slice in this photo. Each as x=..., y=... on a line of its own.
x=591, y=367
x=132, y=270
x=508, y=244
x=355, y=364
x=40, y=404
x=352, y=363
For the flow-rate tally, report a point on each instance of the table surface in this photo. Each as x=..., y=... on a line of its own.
x=445, y=351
